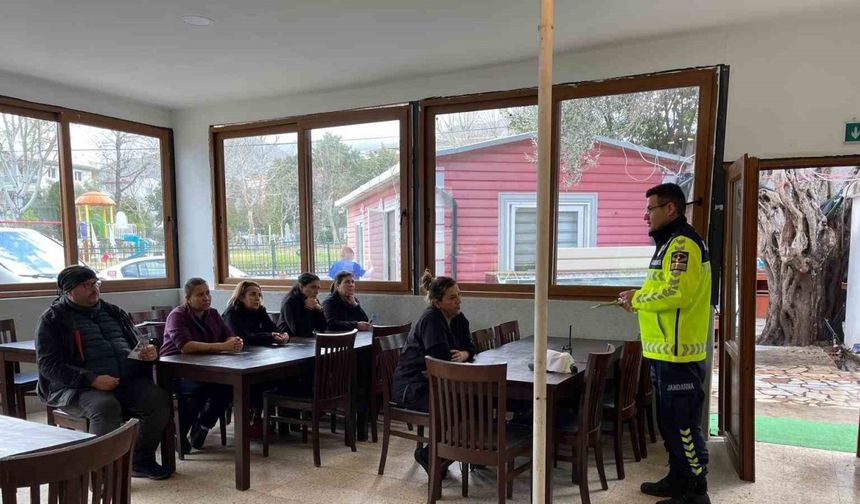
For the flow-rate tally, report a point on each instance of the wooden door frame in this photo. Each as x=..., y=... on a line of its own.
x=740, y=349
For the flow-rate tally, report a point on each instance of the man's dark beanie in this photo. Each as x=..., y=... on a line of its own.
x=70, y=277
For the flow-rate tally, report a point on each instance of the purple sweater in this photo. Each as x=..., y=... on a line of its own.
x=182, y=326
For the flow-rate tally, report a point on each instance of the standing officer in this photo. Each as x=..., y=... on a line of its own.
x=673, y=307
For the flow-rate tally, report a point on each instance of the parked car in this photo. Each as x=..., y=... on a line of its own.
x=27, y=255
x=146, y=267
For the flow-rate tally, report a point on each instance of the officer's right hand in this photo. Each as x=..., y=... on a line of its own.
x=105, y=382
x=626, y=299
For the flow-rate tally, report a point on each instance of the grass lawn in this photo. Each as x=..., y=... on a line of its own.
x=794, y=432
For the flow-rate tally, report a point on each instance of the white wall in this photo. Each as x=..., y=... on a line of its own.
x=26, y=311
x=51, y=93
x=794, y=82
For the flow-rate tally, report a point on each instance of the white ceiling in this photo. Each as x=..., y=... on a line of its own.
x=141, y=49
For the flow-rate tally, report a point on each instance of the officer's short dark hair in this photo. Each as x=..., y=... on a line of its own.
x=669, y=193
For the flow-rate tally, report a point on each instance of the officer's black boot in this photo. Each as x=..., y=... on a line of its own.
x=695, y=491
x=662, y=488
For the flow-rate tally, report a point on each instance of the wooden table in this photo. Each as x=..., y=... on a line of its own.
x=20, y=436
x=518, y=355
x=253, y=365
x=11, y=353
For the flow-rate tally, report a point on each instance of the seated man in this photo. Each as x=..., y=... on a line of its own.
x=82, y=349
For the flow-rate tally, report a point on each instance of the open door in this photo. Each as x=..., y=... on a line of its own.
x=737, y=315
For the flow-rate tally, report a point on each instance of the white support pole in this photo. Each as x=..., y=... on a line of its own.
x=542, y=254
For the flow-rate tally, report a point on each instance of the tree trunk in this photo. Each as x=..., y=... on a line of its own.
x=805, y=255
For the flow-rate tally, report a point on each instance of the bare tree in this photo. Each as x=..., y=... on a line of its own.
x=28, y=147
x=125, y=160
x=803, y=230
x=249, y=175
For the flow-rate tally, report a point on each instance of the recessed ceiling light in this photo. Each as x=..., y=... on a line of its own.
x=198, y=21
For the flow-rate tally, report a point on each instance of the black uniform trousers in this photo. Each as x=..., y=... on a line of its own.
x=680, y=395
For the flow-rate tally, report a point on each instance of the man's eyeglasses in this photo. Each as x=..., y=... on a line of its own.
x=91, y=284
x=650, y=209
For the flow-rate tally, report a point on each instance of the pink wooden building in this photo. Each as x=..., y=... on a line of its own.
x=486, y=212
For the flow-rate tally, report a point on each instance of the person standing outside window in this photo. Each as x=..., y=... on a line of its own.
x=347, y=263
x=673, y=307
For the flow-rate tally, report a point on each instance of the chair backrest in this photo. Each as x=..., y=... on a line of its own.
x=388, y=349
x=143, y=316
x=166, y=308
x=628, y=376
x=105, y=461
x=334, y=365
x=160, y=314
x=387, y=330
x=590, y=406
x=7, y=331
x=484, y=339
x=462, y=400
x=508, y=331
x=7, y=335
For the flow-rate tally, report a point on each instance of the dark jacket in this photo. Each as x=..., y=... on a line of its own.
x=431, y=335
x=340, y=315
x=297, y=319
x=255, y=327
x=182, y=326
x=61, y=362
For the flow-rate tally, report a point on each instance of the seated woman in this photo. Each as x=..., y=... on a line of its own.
x=342, y=310
x=248, y=319
x=442, y=331
x=301, y=312
x=196, y=327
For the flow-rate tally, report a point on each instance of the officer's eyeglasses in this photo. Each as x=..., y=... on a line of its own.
x=650, y=209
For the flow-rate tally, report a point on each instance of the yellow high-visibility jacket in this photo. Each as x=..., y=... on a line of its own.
x=673, y=304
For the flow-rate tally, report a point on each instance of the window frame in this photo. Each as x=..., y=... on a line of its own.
x=704, y=78
x=65, y=117
x=302, y=126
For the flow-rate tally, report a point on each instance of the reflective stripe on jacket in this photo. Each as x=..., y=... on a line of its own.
x=673, y=304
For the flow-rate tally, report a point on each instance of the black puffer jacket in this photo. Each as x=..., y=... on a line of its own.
x=61, y=362
x=342, y=316
x=297, y=319
x=253, y=326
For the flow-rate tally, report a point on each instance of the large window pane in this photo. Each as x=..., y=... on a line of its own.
x=31, y=239
x=356, y=200
x=119, y=204
x=612, y=149
x=262, y=191
x=486, y=185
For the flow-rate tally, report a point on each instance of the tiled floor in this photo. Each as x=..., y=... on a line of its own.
x=785, y=475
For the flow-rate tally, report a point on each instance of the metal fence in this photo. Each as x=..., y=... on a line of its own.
x=278, y=259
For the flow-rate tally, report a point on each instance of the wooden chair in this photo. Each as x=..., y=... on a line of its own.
x=60, y=418
x=463, y=399
x=484, y=339
x=645, y=406
x=376, y=383
x=104, y=461
x=25, y=383
x=388, y=349
x=507, y=332
x=159, y=308
x=334, y=372
x=622, y=408
x=583, y=433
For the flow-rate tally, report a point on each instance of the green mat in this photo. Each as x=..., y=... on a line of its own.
x=794, y=432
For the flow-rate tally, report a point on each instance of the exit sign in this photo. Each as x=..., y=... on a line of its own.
x=852, y=132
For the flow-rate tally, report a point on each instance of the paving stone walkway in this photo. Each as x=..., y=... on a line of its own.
x=817, y=386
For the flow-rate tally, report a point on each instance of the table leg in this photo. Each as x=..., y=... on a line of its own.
x=168, y=437
x=550, y=441
x=241, y=419
x=7, y=385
